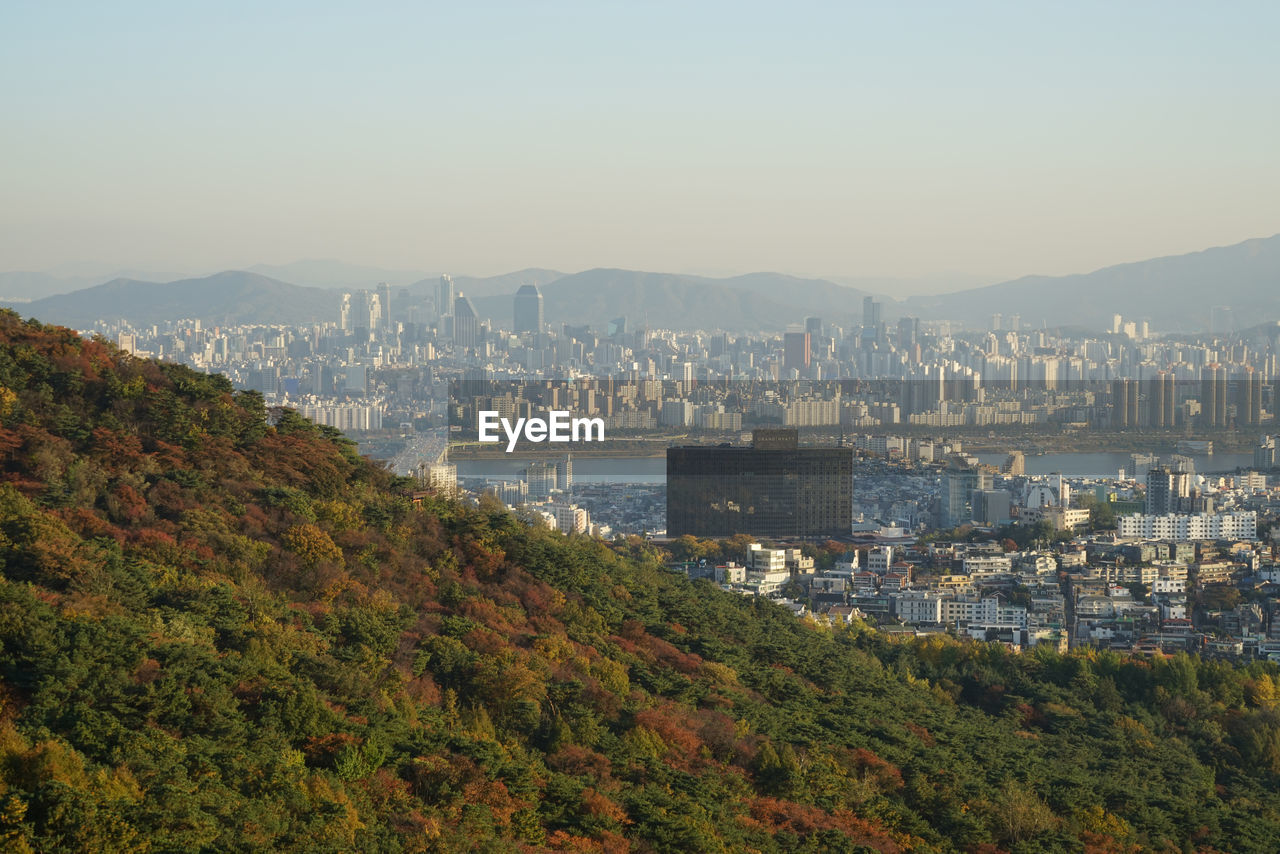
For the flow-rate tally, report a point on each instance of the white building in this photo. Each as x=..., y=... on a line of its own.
x=731, y=573
x=828, y=585
x=1200, y=526
x=987, y=564
x=344, y=416
x=570, y=518
x=1169, y=585
x=760, y=559
x=988, y=612
x=1062, y=518
x=918, y=606
x=442, y=478
x=880, y=559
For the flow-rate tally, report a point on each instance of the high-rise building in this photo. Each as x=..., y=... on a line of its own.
x=870, y=312
x=384, y=303
x=466, y=323
x=795, y=352
x=1121, y=390
x=361, y=310
x=1267, y=453
x=1156, y=403
x=1249, y=397
x=564, y=473
x=541, y=478
x=528, y=309
x=1213, y=396
x=1166, y=490
x=344, y=313
x=1170, y=398
x=959, y=482
x=908, y=332
x=444, y=296
x=772, y=489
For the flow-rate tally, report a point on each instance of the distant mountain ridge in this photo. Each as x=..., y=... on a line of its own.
x=1175, y=293
x=231, y=297
x=23, y=286
x=488, y=286
x=756, y=301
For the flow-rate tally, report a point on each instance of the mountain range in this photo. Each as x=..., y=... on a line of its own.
x=759, y=301
x=232, y=297
x=21, y=286
x=1174, y=294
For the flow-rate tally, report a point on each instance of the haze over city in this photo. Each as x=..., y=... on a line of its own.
x=946, y=146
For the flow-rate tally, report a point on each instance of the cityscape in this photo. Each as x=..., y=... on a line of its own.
x=606, y=428
x=927, y=442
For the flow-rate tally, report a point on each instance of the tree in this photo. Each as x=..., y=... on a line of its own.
x=311, y=544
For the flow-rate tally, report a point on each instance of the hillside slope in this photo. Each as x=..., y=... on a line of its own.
x=220, y=634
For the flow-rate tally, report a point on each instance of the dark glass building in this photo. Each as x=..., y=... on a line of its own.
x=528, y=309
x=772, y=489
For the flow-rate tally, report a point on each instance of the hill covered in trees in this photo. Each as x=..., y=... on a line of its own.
x=219, y=633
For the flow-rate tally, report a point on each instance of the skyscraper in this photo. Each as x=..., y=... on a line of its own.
x=466, y=323
x=1121, y=390
x=795, y=352
x=564, y=473
x=1156, y=402
x=384, y=303
x=361, y=310
x=908, y=332
x=870, y=312
x=344, y=313
x=1249, y=397
x=528, y=309
x=444, y=296
x=870, y=322
x=1213, y=396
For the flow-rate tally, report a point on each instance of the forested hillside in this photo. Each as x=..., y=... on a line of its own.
x=222, y=635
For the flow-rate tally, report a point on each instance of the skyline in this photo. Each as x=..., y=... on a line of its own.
x=984, y=144
x=325, y=272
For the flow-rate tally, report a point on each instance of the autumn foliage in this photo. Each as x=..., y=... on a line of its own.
x=221, y=629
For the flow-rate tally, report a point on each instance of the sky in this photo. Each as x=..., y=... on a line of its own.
x=929, y=141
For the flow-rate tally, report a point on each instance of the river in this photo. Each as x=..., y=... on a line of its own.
x=654, y=469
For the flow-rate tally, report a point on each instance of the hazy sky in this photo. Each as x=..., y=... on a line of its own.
x=993, y=139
